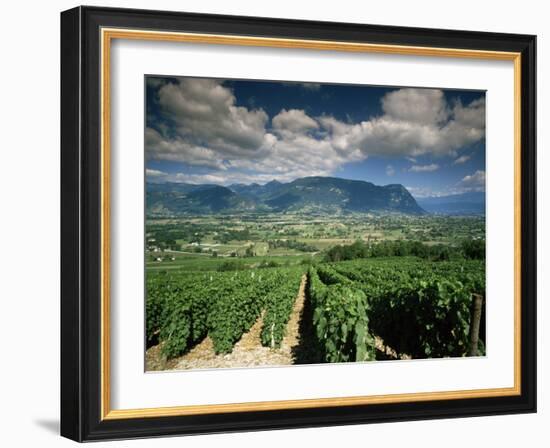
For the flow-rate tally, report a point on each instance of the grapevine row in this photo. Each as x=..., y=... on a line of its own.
x=340, y=320
x=183, y=310
x=421, y=309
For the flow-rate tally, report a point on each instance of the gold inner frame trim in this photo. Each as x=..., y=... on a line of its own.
x=107, y=35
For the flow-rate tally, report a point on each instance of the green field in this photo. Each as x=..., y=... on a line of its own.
x=405, y=280
x=204, y=242
x=419, y=307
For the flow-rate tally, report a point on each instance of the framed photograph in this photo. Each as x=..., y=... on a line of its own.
x=276, y=224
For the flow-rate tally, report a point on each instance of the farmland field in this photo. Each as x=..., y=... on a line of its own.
x=388, y=298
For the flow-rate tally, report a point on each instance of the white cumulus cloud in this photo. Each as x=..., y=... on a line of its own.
x=424, y=168
x=294, y=121
x=473, y=182
x=204, y=114
x=462, y=159
x=202, y=125
x=415, y=122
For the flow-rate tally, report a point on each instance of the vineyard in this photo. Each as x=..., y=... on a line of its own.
x=418, y=308
x=182, y=310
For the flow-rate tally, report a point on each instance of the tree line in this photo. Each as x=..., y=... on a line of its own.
x=471, y=249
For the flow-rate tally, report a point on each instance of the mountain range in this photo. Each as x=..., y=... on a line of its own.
x=471, y=203
x=305, y=195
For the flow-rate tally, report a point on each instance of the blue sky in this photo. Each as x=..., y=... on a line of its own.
x=239, y=131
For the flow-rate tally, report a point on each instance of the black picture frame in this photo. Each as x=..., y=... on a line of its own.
x=81, y=224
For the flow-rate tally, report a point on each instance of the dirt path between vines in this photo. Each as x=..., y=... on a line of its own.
x=247, y=352
x=387, y=352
